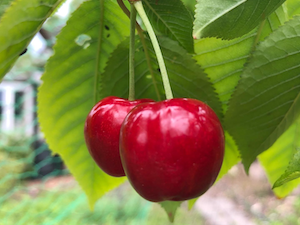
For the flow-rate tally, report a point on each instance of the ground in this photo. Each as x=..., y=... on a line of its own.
x=237, y=199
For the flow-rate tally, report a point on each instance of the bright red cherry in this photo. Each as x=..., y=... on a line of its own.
x=102, y=130
x=172, y=150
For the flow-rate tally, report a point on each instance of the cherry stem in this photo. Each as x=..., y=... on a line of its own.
x=131, y=52
x=258, y=34
x=140, y=9
x=141, y=35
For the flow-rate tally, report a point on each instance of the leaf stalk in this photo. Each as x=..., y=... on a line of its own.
x=133, y=13
x=97, y=69
x=140, y=9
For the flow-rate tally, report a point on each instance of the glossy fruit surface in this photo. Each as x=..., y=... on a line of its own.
x=172, y=150
x=102, y=130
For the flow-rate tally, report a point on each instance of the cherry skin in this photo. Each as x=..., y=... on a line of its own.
x=102, y=130
x=172, y=150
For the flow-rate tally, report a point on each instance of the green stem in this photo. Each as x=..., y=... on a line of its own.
x=148, y=59
x=97, y=66
x=139, y=7
x=147, y=56
x=258, y=34
x=131, y=52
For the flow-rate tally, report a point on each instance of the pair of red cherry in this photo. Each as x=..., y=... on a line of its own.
x=169, y=150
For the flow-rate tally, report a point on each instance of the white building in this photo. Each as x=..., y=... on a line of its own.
x=18, y=107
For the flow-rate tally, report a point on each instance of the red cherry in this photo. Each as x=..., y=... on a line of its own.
x=172, y=150
x=102, y=130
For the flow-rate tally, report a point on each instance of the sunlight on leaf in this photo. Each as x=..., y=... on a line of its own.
x=223, y=60
x=231, y=156
x=83, y=40
x=21, y=21
x=293, y=7
x=4, y=4
x=230, y=19
x=68, y=90
x=280, y=160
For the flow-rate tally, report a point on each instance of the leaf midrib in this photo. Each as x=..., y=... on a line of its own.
x=277, y=127
x=97, y=64
x=217, y=17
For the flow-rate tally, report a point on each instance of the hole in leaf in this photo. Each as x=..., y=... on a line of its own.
x=85, y=46
x=83, y=40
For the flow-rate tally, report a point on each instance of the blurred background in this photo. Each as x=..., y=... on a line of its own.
x=36, y=188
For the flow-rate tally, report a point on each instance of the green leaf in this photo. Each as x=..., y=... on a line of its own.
x=69, y=88
x=276, y=161
x=192, y=202
x=293, y=7
x=232, y=18
x=21, y=21
x=186, y=77
x=292, y=172
x=170, y=207
x=275, y=20
x=190, y=4
x=116, y=76
x=223, y=60
x=231, y=156
x=4, y=5
x=266, y=100
x=171, y=18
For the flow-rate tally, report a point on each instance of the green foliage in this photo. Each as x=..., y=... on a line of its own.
x=293, y=7
x=232, y=18
x=223, y=60
x=172, y=19
x=69, y=91
x=190, y=4
x=21, y=21
x=3, y=6
x=231, y=156
x=10, y=171
x=170, y=208
x=266, y=101
x=293, y=170
x=276, y=160
x=15, y=158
